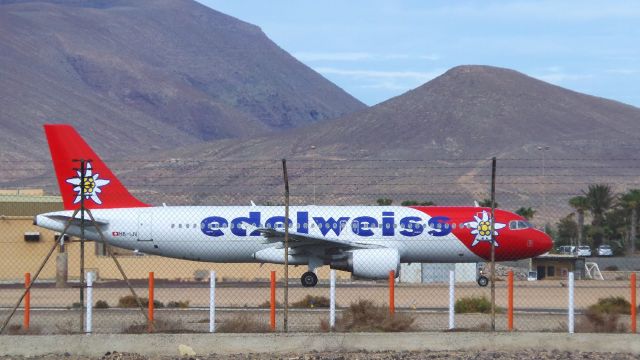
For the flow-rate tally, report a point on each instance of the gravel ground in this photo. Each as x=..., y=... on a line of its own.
x=480, y=355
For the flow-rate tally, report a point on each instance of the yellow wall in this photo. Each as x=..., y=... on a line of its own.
x=19, y=256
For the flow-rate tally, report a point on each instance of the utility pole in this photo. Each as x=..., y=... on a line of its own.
x=83, y=169
x=286, y=246
x=493, y=244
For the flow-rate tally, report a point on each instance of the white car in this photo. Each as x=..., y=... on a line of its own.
x=605, y=250
x=584, y=250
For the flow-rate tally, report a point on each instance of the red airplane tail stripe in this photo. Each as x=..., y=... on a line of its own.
x=103, y=190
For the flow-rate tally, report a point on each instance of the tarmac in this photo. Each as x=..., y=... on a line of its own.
x=202, y=344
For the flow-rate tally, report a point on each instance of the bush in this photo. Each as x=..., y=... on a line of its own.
x=365, y=316
x=129, y=301
x=178, y=304
x=310, y=302
x=243, y=323
x=603, y=316
x=611, y=305
x=101, y=304
x=159, y=326
x=473, y=304
x=267, y=305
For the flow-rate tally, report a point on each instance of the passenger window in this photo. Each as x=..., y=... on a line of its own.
x=173, y=225
x=179, y=226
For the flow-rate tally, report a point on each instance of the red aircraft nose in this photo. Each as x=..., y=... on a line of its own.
x=542, y=243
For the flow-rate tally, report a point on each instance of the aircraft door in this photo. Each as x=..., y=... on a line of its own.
x=145, y=225
x=343, y=225
x=355, y=226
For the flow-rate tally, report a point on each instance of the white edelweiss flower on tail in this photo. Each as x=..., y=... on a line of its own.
x=92, y=185
x=481, y=228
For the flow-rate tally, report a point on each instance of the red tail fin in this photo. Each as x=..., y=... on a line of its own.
x=102, y=189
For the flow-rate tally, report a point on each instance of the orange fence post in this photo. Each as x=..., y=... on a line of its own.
x=273, y=301
x=27, y=301
x=510, y=301
x=150, y=306
x=634, y=305
x=392, y=292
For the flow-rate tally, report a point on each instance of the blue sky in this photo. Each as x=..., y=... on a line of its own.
x=377, y=49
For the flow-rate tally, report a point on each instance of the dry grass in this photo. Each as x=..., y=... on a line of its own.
x=159, y=326
x=243, y=323
x=178, y=304
x=129, y=301
x=19, y=330
x=311, y=302
x=365, y=316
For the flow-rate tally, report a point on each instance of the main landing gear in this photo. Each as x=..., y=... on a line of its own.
x=309, y=279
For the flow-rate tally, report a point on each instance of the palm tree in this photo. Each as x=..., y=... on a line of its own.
x=600, y=199
x=526, y=212
x=581, y=205
x=486, y=203
x=631, y=201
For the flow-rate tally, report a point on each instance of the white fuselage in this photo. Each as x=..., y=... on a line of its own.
x=217, y=234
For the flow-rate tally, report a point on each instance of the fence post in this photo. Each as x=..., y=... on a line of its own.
x=150, y=305
x=392, y=292
x=89, y=317
x=27, y=301
x=332, y=300
x=510, y=301
x=212, y=301
x=273, y=301
x=571, y=304
x=634, y=306
x=452, y=299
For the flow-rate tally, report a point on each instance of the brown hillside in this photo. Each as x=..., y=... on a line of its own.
x=140, y=74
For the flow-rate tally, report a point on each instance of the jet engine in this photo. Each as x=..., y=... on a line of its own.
x=369, y=263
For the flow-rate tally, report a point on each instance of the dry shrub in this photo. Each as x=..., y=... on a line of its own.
x=365, y=316
x=101, y=304
x=473, y=304
x=178, y=304
x=604, y=315
x=267, y=305
x=310, y=302
x=159, y=326
x=129, y=301
x=19, y=330
x=243, y=323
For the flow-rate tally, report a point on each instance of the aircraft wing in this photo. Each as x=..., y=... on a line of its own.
x=297, y=239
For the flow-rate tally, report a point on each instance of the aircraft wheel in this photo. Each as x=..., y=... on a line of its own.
x=309, y=279
x=483, y=281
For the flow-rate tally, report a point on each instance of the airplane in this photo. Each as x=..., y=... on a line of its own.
x=368, y=241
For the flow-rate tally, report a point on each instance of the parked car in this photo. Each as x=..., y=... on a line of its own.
x=566, y=250
x=605, y=250
x=584, y=250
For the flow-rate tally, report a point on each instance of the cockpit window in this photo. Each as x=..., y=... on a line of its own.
x=519, y=225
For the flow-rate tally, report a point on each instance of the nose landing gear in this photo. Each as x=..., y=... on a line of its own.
x=309, y=279
x=483, y=281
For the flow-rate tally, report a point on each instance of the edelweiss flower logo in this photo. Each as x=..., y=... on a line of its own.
x=481, y=228
x=92, y=185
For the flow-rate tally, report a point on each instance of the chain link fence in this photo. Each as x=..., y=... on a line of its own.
x=589, y=208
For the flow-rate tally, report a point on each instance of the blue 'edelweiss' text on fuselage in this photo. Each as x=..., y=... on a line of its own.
x=360, y=225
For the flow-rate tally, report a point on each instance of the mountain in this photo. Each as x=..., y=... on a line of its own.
x=141, y=75
x=441, y=135
x=469, y=112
